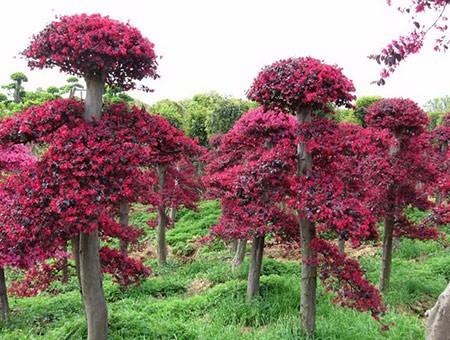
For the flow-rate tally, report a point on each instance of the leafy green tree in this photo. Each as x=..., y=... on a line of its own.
x=115, y=94
x=53, y=90
x=15, y=88
x=345, y=116
x=438, y=104
x=171, y=110
x=225, y=114
x=361, y=105
x=72, y=85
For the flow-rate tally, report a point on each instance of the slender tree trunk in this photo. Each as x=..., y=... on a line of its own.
x=124, y=211
x=91, y=281
x=3, y=295
x=65, y=268
x=17, y=87
x=307, y=232
x=234, y=246
x=240, y=254
x=386, y=262
x=162, y=218
x=438, y=318
x=76, y=257
x=172, y=214
x=254, y=271
x=341, y=246
x=90, y=267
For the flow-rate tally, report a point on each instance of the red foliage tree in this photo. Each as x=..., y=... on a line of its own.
x=102, y=51
x=323, y=191
x=13, y=159
x=249, y=173
x=398, y=50
x=412, y=172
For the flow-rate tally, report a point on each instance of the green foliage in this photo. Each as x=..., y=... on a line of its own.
x=18, y=77
x=114, y=94
x=171, y=110
x=345, y=116
x=436, y=118
x=441, y=104
x=361, y=105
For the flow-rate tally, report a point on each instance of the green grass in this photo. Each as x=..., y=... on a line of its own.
x=165, y=307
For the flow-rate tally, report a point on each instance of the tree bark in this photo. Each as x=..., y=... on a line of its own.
x=90, y=267
x=307, y=232
x=124, y=211
x=234, y=246
x=91, y=282
x=239, y=255
x=17, y=87
x=254, y=271
x=341, y=246
x=172, y=214
x=65, y=268
x=438, y=318
x=386, y=262
x=162, y=218
x=3, y=295
x=76, y=257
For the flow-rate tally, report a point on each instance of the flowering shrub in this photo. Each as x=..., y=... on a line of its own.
x=93, y=45
x=300, y=82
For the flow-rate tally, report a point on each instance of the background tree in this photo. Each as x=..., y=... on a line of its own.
x=413, y=175
x=250, y=173
x=171, y=110
x=361, y=105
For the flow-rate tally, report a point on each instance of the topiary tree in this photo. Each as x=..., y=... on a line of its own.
x=306, y=87
x=413, y=173
x=249, y=172
x=18, y=78
x=102, y=51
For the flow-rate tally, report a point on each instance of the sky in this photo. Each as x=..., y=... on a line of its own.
x=220, y=45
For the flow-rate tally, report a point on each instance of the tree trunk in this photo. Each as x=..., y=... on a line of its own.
x=90, y=267
x=17, y=87
x=162, y=218
x=386, y=261
x=124, y=211
x=341, y=246
x=3, y=295
x=240, y=254
x=254, y=271
x=91, y=281
x=438, y=318
x=65, y=268
x=173, y=214
x=76, y=257
x=307, y=232
x=234, y=246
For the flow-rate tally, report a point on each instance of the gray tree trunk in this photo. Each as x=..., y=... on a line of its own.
x=173, y=214
x=438, y=318
x=90, y=267
x=341, y=246
x=307, y=232
x=162, y=219
x=17, y=87
x=65, y=268
x=239, y=255
x=234, y=246
x=386, y=262
x=3, y=295
x=254, y=271
x=75, y=241
x=124, y=211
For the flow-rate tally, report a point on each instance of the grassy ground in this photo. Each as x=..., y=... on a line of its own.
x=197, y=297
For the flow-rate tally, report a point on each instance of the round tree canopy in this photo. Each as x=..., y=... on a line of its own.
x=94, y=46
x=301, y=82
x=400, y=116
